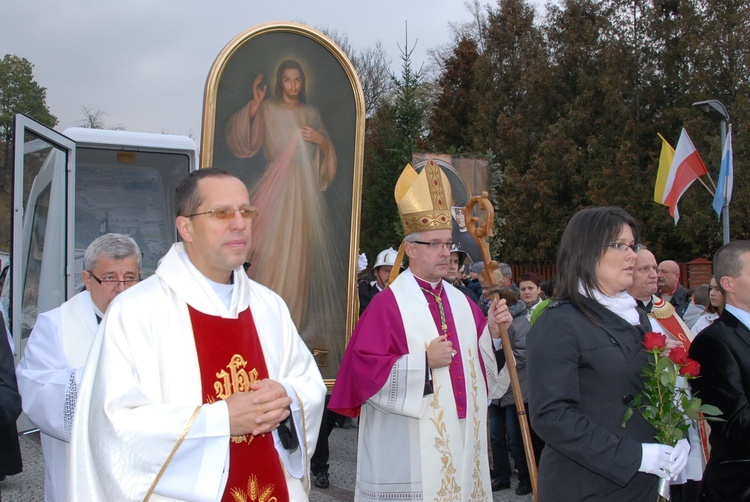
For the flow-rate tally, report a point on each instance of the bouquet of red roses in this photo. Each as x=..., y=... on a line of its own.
x=666, y=402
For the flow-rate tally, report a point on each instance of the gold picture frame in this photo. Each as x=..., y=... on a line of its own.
x=301, y=154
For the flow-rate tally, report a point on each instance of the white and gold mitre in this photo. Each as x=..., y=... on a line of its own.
x=424, y=199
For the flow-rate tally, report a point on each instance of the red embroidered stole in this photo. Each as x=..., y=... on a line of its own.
x=231, y=359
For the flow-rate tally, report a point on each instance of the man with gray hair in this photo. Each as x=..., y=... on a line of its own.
x=507, y=272
x=506, y=281
x=52, y=365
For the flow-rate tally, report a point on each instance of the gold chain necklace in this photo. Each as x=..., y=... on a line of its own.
x=443, y=323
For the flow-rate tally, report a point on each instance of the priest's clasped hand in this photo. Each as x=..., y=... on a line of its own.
x=498, y=314
x=259, y=411
x=440, y=352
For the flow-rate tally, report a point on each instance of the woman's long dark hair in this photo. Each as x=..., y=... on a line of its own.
x=585, y=240
x=710, y=309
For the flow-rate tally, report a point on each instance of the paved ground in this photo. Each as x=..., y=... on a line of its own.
x=29, y=485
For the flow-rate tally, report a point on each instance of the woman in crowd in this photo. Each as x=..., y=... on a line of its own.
x=584, y=358
x=714, y=309
x=696, y=305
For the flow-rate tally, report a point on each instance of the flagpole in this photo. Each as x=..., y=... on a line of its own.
x=725, y=207
x=716, y=110
x=712, y=192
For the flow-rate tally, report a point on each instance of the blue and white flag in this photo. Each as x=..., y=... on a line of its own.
x=726, y=176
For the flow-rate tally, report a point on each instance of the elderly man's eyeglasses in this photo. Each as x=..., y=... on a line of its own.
x=227, y=213
x=435, y=245
x=111, y=281
x=622, y=247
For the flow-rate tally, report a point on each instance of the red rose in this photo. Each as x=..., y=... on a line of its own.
x=653, y=340
x=691, y=368
x=678, y=355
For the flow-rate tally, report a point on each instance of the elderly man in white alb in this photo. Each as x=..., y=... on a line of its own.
x=198, y=386
x=52, y=365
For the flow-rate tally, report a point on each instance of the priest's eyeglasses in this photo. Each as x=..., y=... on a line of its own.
x=622, y=247
x=435, y=245
x=111, y=281
x=227, y=213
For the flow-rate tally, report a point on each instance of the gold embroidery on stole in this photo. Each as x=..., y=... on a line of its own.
x=449, y=488
x=237, y=379
x=254, y=493
x=478, y=493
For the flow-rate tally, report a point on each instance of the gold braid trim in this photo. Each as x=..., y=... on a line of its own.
x=172, y=454
x=662, y=310
x=478, y=493
x=304, y=437
x=433, y=219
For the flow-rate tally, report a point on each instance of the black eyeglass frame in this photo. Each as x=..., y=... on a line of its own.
x=124, y=282
x=619, y=247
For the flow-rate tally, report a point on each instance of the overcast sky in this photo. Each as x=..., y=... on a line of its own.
x=144, y=62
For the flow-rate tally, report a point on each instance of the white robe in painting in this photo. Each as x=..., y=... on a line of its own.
x=294, y=229
x=48, y=378
x=141, y=430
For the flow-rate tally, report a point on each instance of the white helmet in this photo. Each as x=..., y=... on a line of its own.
x=386, y=257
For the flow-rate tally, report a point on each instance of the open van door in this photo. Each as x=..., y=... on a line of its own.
x=70, y=188
x=42, y=221
x=44, y=162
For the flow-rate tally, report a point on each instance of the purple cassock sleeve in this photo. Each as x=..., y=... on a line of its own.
x=375, y=346
x=377, y=342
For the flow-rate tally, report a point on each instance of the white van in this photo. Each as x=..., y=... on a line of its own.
x=72, y=187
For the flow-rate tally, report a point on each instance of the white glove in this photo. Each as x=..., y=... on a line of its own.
x=656, y=459
x=679, y=457
x=361, y=263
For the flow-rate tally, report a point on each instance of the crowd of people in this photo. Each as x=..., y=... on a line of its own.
x=194, y=384
x=579, y=355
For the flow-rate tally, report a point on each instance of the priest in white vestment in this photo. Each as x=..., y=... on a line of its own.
x=52, y=365
x=161, y=416
x=420, y=367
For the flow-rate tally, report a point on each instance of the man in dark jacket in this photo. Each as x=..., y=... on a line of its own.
x=670, y=289
x=382, y=272
x=723, y=351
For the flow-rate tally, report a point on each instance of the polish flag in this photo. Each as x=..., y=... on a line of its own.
x=686, y=167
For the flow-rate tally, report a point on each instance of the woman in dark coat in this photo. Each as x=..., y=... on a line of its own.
x=584, y=358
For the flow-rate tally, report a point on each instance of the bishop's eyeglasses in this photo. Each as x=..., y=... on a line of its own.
x=435, y=245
